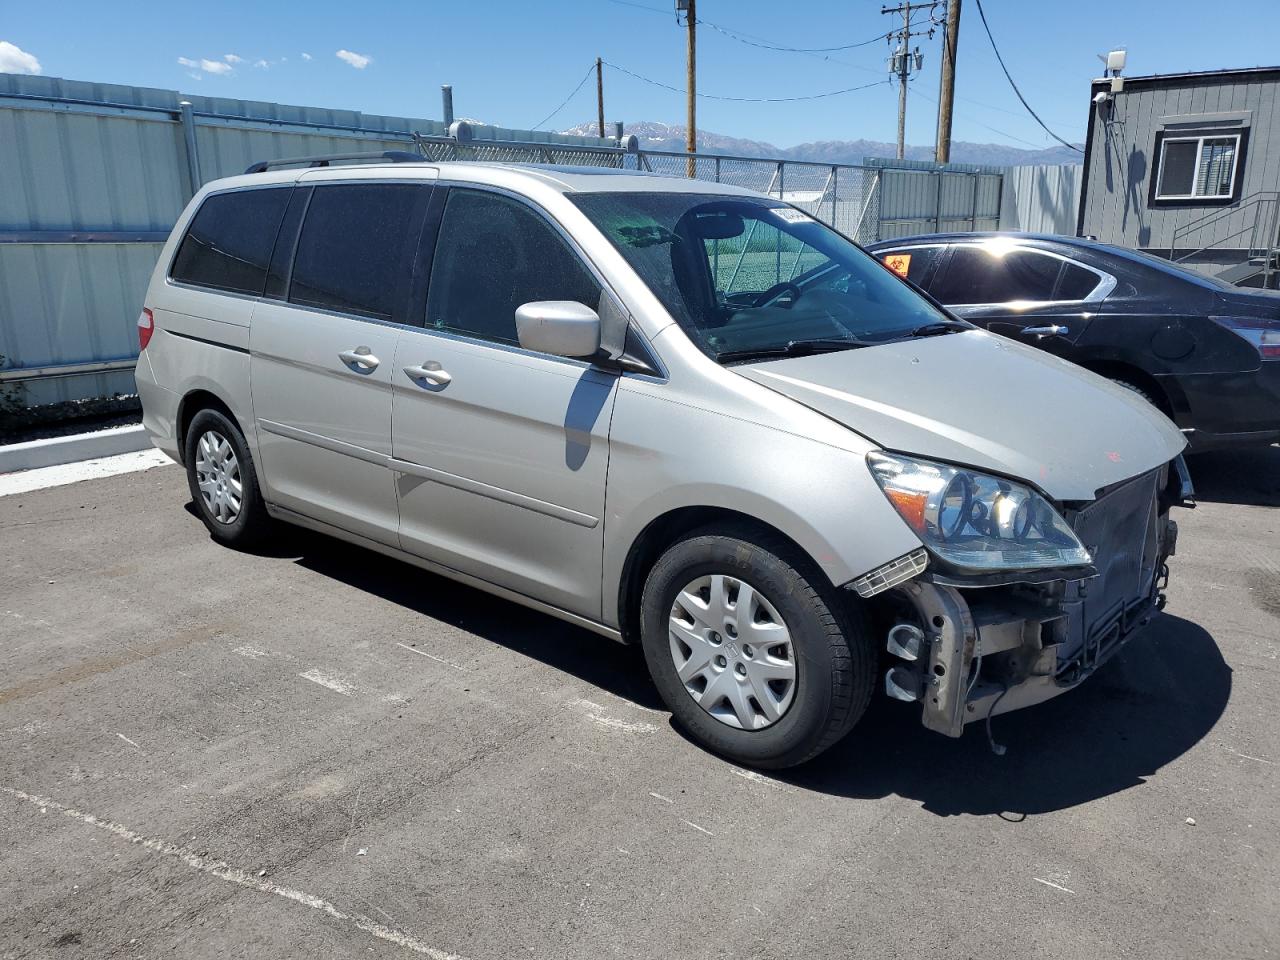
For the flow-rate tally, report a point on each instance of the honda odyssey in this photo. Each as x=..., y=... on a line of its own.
x=622, y=400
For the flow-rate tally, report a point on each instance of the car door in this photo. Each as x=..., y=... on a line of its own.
x=501, y=453
x=322, y=350
x=1036, y=296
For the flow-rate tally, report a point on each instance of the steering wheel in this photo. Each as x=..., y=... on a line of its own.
x=778, y=288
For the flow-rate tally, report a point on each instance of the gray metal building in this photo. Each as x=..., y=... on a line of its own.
x=1187, y=166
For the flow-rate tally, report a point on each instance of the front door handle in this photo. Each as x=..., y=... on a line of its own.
x=1052, y=330
x=361, y=357
x=430, y=372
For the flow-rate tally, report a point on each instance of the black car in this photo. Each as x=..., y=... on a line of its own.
x=1205, y=352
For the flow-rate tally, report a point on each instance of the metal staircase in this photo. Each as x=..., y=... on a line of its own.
x=1252, y=226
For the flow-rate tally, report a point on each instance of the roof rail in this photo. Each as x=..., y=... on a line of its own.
x=323, y=160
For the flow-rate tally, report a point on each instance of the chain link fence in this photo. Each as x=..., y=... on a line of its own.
x=844, y=196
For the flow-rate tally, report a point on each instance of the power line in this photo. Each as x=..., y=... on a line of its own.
x=710, y=96
x=765, y=45
x=581, y=83
x=973, y=120
x=753, y=41
x=986, y=26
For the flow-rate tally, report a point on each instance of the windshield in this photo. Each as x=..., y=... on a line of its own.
x=746, y=276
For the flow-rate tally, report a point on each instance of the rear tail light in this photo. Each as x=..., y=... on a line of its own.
x=1262, y=333
x=146, y=327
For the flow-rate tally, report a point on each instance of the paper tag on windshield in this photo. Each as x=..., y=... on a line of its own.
x=791, y=215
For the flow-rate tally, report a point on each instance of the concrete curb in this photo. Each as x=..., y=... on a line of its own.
x=80, y=446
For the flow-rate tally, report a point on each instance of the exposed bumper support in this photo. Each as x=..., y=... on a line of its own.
x=986, y=653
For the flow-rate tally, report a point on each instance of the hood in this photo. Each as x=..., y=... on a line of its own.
x=975, y=399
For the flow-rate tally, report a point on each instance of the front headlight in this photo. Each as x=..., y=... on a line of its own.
x=975, y=521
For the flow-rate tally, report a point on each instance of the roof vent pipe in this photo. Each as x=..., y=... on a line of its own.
x=446, y=101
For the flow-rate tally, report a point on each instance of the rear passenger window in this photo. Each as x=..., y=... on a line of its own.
x=977, y=273
x=1076, y=283
x=494, y=254
x=352, y=253
x=912, y=262
x=228, y=244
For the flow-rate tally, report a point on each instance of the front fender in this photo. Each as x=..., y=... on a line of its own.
x=666, y=456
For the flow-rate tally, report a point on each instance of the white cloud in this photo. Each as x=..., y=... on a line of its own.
x=13, y=59
x=261, y=64
x=306, y=56
x=232, y=58
x=357, y=60
x=208, y=66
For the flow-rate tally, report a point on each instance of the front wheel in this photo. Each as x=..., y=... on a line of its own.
x=753, y=651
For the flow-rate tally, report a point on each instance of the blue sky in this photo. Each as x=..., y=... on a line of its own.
x=513, y=62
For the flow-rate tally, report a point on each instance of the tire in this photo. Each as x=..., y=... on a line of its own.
x=1139, y=391
x=833, y=658
x=216, y=454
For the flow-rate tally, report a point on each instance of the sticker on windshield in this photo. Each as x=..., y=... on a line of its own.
x=791, y=215
x=899, y=263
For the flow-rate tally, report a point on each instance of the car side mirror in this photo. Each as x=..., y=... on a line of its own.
x=562, y=328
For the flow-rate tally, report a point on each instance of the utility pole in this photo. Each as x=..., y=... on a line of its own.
x=600, y=95
x=947, y=85
x=904, y=59
x=690, y=11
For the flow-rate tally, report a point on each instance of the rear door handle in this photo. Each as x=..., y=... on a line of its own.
x=430, y=372
x=361, y=357
x=1052, y=330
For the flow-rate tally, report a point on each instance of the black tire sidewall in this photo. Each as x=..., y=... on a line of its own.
x=248, y=526
x=808, y=721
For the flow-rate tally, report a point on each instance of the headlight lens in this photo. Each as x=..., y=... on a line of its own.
x=976, y=521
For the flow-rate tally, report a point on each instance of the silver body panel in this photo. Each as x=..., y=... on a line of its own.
x=962, y=398
x=534, y=476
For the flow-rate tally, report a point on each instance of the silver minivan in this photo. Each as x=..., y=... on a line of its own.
x=676, y=413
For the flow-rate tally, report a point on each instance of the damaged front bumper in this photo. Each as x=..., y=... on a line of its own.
x=971, y=648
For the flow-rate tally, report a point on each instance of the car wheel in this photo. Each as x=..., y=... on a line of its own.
x=1138, y=390
x=754, y=652
x=222, y=480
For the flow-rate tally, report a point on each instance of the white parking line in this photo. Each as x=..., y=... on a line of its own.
x=332, y=683
x=24, y=481
x=1050, y=883
x=242, y=878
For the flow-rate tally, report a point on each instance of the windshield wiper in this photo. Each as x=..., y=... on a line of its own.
x=792, y=348
x=938, y=327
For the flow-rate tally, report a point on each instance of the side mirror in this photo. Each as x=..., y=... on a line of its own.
x=563, y=328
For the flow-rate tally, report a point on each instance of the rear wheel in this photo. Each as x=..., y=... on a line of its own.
x=754, y=652
x=223, y=484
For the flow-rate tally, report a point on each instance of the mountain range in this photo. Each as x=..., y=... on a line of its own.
x=669, y=136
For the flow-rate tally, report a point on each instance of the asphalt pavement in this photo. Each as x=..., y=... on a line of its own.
x=318, y=752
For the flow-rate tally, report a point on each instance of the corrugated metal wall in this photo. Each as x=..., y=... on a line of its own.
x=1041, y=199
x=94, y=176
x=918, y=197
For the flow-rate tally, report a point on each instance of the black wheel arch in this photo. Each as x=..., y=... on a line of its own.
x=670, y=528
x=192, y=403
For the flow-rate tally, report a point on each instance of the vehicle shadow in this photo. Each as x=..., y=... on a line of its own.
x=594, y=659
x=1148, y=706
x=1250, y=475
x=1152, y=703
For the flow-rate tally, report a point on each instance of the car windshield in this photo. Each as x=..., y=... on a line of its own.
x=750, y=277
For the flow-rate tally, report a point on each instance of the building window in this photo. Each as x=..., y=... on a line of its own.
x=1198, y=167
